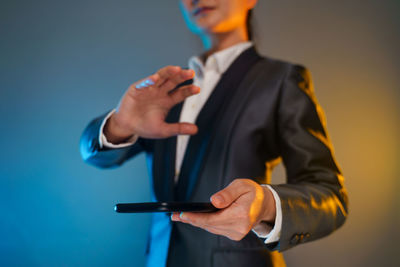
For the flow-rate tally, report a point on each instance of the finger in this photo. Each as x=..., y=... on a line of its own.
x=174, y=80
x=190, y=218
x=183, y=92
x=229, y=233
x=172, y=129
x=223, y=231
x=167, y=72
x=229, y=194
x=231, y=228
x=215, y=219
x=201, y=219
x=147, y=82
x=175, y=216
x=215, y=230
x=194, y=219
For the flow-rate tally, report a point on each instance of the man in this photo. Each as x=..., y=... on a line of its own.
x=251, y=111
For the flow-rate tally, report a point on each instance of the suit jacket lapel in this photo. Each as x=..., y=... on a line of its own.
x=209, y=116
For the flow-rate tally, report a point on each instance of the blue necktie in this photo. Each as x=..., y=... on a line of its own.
x=159, y=237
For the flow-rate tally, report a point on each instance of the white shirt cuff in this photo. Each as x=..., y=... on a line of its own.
x=263, y=230
x=103, y=142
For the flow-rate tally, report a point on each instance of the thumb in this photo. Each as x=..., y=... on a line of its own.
x=229, y=194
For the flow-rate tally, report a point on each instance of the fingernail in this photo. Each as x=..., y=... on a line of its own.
x=217, y=200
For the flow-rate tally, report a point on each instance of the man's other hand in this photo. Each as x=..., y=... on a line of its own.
x=243, y=204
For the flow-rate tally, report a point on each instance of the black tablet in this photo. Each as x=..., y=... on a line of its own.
x=164, y=207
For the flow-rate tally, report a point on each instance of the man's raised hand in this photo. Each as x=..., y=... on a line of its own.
x=146, y=103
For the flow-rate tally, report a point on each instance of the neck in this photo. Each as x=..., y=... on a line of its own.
x=215, y=42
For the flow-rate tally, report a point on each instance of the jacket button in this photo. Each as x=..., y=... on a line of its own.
x=295, y=239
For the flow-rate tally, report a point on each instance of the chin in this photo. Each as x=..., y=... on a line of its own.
x=206, y=25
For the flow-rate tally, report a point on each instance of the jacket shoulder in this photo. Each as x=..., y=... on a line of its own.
x=281, y=65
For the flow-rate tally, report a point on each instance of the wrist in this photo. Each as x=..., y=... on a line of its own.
x=269, y=211
x=114, y=132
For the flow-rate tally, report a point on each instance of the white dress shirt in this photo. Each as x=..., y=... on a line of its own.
x=206, y=77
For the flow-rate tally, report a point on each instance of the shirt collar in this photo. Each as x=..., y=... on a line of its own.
x=221, y=59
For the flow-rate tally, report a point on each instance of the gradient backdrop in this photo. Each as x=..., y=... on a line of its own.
x=64, y=62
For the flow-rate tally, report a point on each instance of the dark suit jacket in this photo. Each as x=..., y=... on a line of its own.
x=260, y=111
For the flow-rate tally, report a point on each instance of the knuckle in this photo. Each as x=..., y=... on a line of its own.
x=163, y=71
x=165, y=132
x=241, y=182
x=243, y=230
x=246, y=182
x=236, y=237
x=235, y=182
x=173, y=68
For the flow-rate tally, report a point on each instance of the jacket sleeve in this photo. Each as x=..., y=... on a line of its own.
x=107, y=157
x=314, y=200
